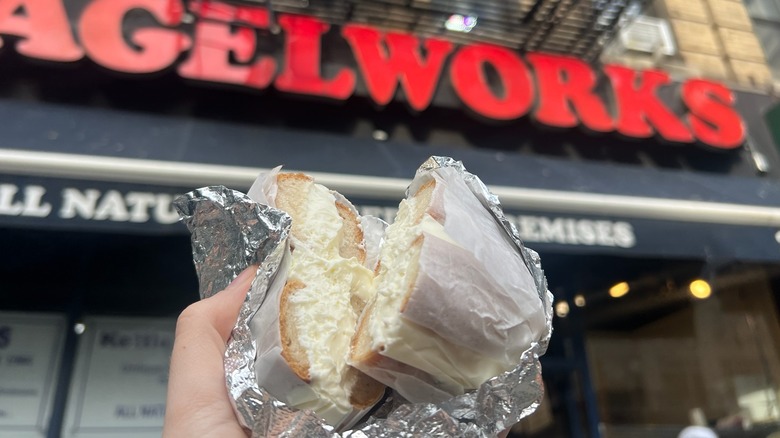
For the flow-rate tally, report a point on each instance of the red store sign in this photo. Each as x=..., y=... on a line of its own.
x=556, y=91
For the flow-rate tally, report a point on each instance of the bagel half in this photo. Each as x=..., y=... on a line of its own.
x=324, y=292
x=455, y=303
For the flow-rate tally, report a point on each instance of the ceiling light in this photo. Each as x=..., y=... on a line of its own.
x=460, y=23
x=619, y=290
x=700, y=289
x=380, y=135
x=562, y=309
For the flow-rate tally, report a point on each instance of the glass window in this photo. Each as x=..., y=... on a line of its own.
x=766, y=25
x=764, y=9
x=712, y=362
x=768, y=34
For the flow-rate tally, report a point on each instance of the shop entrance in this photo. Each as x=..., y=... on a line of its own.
x=638, y=352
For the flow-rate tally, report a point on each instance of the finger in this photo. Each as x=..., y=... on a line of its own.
x=222, y=308
x=202, y=330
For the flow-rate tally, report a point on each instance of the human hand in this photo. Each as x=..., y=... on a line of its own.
x=198, y=402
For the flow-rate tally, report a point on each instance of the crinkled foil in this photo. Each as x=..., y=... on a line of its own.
x=231, y=232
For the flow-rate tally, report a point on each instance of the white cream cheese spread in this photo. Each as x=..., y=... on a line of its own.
x=324, y=331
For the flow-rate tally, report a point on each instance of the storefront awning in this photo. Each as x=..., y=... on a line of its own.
x=89, y=169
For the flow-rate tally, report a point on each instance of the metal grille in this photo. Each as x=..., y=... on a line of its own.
x=576, y=27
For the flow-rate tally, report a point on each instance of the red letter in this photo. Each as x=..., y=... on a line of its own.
x=302, y=65
x=638, y=106
x=467, y=74
x=44, y=27
x=383, y=68
x=214, y=42
x=101, y=31
x=712, y=118
x=566, y=85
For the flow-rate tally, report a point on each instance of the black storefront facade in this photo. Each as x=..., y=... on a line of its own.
x=96, y=267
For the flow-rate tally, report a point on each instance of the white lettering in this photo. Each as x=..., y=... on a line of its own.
x=112, y=207
x=551, y=230
x=32, y=202
x=164, y=212
x=528, y=225
x=624, y=235
x=604, y=233
x=139, y=204
x=30, y=205
x=7, y=204
x=75, y=203
x=586, y=234
x=571, y=232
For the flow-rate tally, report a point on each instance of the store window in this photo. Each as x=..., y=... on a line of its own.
x=764, y=9
x=766, y=25
x=662, y=359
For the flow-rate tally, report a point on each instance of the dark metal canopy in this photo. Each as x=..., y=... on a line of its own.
x=575, y=27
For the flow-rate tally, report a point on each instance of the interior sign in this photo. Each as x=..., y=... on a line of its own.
x=120, y=379
x=227, y=43
x=30, y=349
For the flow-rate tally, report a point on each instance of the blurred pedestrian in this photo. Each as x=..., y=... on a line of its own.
x=697, y=432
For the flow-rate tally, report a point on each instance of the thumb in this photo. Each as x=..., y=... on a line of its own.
x=196, y=386
x=221, y=310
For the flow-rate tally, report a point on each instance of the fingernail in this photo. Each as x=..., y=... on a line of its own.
x=245, y=277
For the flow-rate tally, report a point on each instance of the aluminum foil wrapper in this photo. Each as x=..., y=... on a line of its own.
x=230, y=232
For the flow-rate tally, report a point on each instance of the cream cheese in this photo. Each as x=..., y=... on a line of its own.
x=394, y=278
x=322, y=310
x=320, y=227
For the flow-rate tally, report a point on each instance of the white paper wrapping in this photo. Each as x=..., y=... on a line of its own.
x=473, y=291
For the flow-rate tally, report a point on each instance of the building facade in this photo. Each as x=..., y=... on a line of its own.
x=633, y=153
